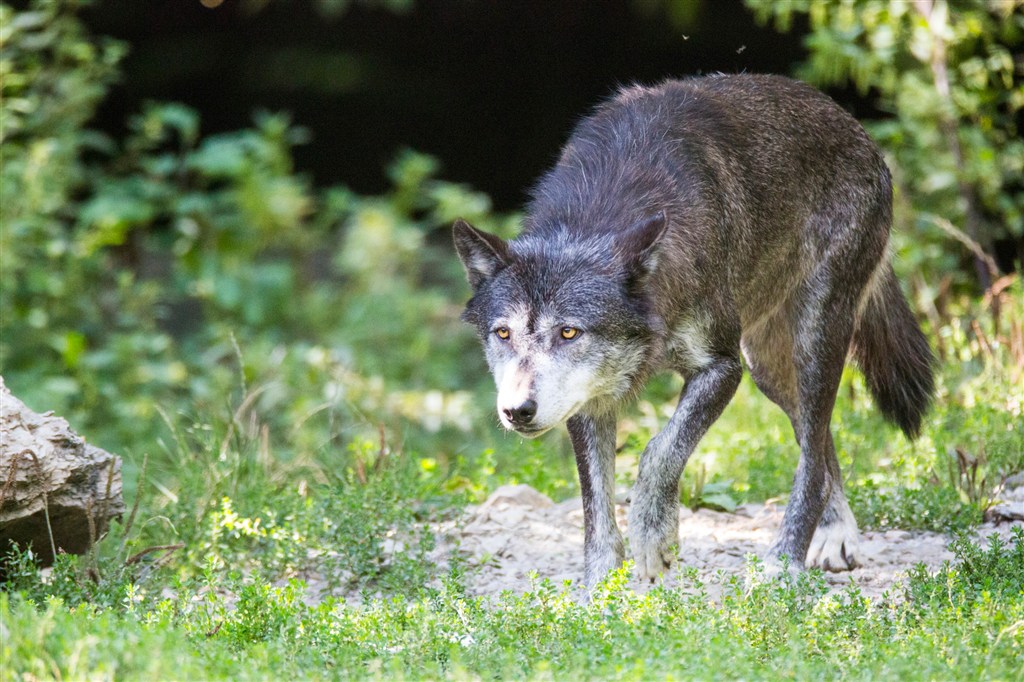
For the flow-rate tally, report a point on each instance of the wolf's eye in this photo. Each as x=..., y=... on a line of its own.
x=570, y=333
x=503, y=333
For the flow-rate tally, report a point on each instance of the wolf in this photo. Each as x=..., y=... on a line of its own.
x=688, y=226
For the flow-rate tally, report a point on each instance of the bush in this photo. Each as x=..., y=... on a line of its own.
x=945, y=75
x=161, y=273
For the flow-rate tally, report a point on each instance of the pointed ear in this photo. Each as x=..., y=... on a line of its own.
x=482, y=254
x=638, y=246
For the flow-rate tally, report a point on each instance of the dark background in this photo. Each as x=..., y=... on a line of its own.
x=490, y=87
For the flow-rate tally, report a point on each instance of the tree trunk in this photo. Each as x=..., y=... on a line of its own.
x=57, y=492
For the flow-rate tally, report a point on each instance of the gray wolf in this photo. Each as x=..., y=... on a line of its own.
x=686, y=226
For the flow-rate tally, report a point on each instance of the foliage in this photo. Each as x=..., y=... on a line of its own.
x=283, y=368
x=945, y=73
x=53, y=77
x=961, y=623
x=168, y=270
x=931, y=507
x=188, y=255
x=364, y=530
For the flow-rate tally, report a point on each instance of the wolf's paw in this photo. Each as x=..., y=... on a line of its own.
x=835, y=547
x=653, y=559
x=653, y=539
x=599, y=563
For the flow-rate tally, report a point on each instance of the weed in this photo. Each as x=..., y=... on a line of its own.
x=930, y=507
x=961, y=622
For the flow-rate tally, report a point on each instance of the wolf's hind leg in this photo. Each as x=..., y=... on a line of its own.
x=835, y=545
x=769, y=350
x=822, y=333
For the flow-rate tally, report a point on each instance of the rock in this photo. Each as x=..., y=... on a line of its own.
x=494, y=544
x=1012, y=494
x=1007, y=511
x=566, y=507
x=1015, y=480
x=507, y=517
x=517, y=495
x=52, y=482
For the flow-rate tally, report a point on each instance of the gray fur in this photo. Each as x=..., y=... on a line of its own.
x=684, y=225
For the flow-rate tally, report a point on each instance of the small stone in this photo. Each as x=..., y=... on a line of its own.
x=1011, y=494
x=493, y=544
x=508, y=517
x=1007, y=511
x=1015, y=480
x=518, y=495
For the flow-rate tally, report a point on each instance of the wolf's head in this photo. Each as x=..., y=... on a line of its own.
x=564, y=321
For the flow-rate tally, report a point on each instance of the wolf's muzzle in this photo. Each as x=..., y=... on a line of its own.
x=522, y=415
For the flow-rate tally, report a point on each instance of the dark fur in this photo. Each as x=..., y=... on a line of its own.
x=693, y=222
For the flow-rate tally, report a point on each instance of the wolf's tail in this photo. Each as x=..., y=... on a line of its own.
x=894, y=355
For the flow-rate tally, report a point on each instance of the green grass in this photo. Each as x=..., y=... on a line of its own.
x=962, y=623
x=229, y=601
x=242, y=508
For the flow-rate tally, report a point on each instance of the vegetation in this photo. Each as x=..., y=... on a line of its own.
x=283, y=369
x=962, y=623
x=945, y=73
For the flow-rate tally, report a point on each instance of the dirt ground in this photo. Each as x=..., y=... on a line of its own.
x=518, y=530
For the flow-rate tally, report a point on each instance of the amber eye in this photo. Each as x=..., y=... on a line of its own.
x=570, y=333
x=502, y=333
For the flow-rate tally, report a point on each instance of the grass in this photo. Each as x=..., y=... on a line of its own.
x=238, y=512
x=965, y=622
x=283, y=371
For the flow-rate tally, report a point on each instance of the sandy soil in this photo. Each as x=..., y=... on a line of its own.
x=518, y=530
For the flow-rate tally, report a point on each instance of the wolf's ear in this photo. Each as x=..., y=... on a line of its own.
x=638, y=246
x=481, y=253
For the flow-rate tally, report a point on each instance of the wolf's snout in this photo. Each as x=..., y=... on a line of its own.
x=522, y=415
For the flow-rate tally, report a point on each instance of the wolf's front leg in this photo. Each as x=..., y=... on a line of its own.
x=593, y=441
x=654, y=507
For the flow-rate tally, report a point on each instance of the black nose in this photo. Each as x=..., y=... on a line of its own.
x=523, y=414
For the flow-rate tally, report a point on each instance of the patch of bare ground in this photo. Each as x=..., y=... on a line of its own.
x=518, y=531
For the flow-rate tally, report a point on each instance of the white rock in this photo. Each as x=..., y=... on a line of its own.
x=518, y=495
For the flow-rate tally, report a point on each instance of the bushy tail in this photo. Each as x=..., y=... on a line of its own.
x=894, y=355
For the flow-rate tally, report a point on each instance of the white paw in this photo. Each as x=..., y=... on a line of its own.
x=836, y=547
x=653, y=546
x=600, y=563
x=652, y=559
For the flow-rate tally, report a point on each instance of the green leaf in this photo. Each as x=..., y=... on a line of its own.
x=720, y=501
